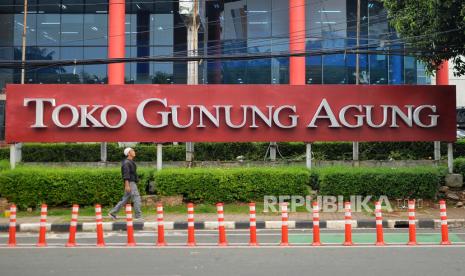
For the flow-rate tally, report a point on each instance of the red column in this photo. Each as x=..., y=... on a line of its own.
x=116, y=33
x=442, y=74
x=297, y=41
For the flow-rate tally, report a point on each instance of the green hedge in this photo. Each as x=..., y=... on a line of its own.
x=232, y=185
x=229, y=151
x=459, y=166
x=29, y=187
x=419, y=182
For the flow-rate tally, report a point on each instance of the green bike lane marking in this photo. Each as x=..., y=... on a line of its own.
x=371, y=238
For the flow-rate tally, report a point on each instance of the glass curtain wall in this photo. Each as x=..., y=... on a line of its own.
x=77, y=29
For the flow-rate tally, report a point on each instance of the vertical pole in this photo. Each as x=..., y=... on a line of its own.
x=192, y=67
x=355, y=144
x=308, y=155
x=116, y=40
x=159, y=157
x=442, y=78
x=103, y=152
x=273, y=147
x=16, y=156
x=297, y=38
x=442, y=74
x=12, y=156
x=437, y=150
x=116, y=44
x=450, y=157
x=23, y=51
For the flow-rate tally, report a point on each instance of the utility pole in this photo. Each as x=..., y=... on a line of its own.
x=355, y=145
x=15, y=149
x=190, y=12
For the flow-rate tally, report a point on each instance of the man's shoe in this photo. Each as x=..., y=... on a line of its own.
x=112, y=216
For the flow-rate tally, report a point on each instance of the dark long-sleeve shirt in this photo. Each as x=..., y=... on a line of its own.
x=129, y=170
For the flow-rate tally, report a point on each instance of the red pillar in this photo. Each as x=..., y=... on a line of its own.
x=297, y=41
x=442, y=74
x=116, y=35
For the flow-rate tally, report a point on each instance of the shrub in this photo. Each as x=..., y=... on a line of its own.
x=232, y=185
x=72, y=152
x=459, y=166
x=419, y=182
x=29, y=187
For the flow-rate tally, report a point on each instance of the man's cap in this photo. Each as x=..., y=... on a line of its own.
x=126, y=151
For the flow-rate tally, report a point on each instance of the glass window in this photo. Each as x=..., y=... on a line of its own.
x=72, y=6
x=314, y=70
x=7, y=6
x=31, y=30
x=410, y=70
x=259, y=70
x=334, y=69
x=48, y=29
x=131, y=30
x=422, y=76
x=96, y=6
x=378, y=35
x=396, y=65
x=46, y=74
x=280, y=18
x=95, y=73
x=7, y=21
x=95, y=29
x=378, y=69
x=327, y=28
x=71, y=29
x=234, y=20
x=161, y=29
x=161, y=72
x=6, y=75
x=71, y=74
x=280, y=66
x=129, y=71
x=258, y=18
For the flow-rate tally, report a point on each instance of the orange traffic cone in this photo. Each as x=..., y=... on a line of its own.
x=379, y=224
x=253, y=225
x=12, y=234
x=99, y=222
x=284, y=225
x=412, y=232
x=222, y=231
x=129, y=226
x=190, y=225
x=316, y=224
x=43, y=226
x=73, y=226
x=348, y=225
x=444, y=228
x=161, y=226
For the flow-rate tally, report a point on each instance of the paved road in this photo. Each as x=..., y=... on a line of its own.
x=270, y=259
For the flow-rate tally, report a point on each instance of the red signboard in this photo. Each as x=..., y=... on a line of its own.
x=229, y=113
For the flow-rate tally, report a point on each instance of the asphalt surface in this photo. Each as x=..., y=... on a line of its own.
x=236, y=259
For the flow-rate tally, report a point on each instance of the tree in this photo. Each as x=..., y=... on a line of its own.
x=434, y=28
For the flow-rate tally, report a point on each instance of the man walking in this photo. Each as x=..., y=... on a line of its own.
x=129, y=174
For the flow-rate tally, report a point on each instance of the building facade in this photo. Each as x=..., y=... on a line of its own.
x=78, y=29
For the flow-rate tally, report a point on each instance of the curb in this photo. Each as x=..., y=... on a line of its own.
x=212, y=225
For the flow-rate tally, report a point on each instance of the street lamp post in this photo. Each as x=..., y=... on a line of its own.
x=189, y=10
x=355, y=144
x=15, y=149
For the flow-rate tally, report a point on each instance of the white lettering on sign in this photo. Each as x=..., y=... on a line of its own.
x=161, y=114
